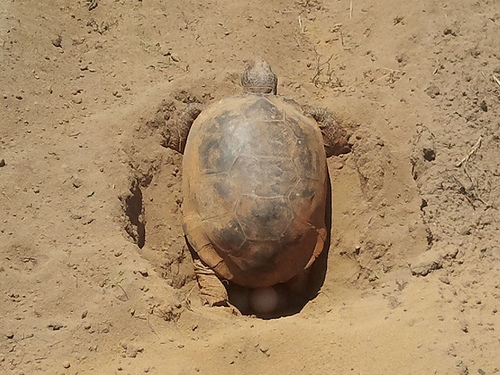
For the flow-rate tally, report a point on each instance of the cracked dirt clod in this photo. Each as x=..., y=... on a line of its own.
x=426, y=263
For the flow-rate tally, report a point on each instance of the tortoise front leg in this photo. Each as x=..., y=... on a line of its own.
x=335, y=137
x=177, y=129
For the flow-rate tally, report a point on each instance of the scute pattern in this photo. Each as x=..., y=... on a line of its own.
x=216, y=154
x=226, y=233
x=212, y=196
x=263, y=218
x=265, y=177
x=256, y=257
x=262, y=108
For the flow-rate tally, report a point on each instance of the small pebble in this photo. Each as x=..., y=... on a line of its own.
x=66, y=364
x=429, y=154
x=464, y=326
x=2, y=163
x=131, y=350
x=56, y=42
x=444, y=280
x=432, y=91
x=449, y=31
x=264, y=350
x=55, y=326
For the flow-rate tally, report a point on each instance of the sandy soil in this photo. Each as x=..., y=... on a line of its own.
x=96, y=277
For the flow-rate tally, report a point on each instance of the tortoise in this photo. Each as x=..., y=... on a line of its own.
x=254, y=186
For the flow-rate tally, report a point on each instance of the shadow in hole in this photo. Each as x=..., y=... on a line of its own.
x=320, y=266
x=134, y=210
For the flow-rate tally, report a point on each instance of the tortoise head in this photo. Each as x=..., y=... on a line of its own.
x=259, y=78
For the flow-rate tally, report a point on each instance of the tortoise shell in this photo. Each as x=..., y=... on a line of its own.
x=254, y=189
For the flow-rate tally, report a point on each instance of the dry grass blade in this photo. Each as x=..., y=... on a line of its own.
x=471, y=152
x=301, y=25
x=496, y=79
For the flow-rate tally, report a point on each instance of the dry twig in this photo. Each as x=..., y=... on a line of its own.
x=331, y=80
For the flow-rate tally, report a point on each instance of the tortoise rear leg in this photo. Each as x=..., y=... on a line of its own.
x=212, y=291
x=335, y=137
x=177, y=129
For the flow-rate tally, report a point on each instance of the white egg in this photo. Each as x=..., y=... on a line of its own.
x=264, y=300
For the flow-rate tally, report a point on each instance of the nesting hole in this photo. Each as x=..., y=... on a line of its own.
x=135, y=213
